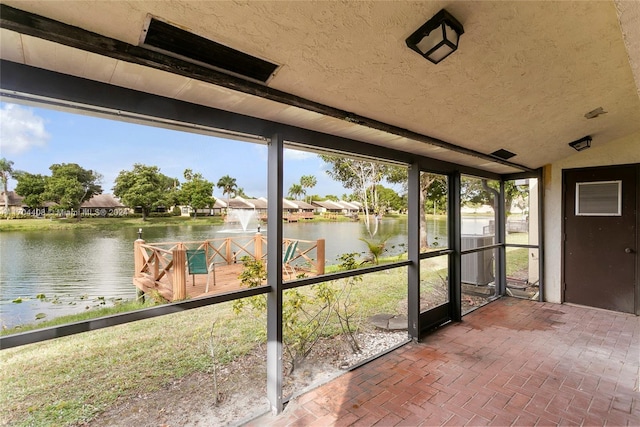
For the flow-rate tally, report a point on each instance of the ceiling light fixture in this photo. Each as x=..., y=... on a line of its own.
x=581, y=144
x=437, y=38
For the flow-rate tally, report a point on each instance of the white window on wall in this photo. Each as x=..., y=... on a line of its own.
x=600, y=198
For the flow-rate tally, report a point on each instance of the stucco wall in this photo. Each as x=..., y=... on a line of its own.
x=623, y=151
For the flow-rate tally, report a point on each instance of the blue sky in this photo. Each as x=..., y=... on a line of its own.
x=36, y=138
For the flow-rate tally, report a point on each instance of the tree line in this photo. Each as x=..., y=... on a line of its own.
x=70, y=185
x=145, y=187
x=364, y=177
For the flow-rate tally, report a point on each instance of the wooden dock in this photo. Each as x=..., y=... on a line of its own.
x=298, y=216
x=226, y=281
x=163, y=268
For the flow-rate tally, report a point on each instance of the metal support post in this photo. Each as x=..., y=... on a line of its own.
x=274, y=273
x=501, y=234
x=455, y=243
x=541, y=213
x=413, y=242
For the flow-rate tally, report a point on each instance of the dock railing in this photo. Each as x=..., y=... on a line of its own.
x=163, y=266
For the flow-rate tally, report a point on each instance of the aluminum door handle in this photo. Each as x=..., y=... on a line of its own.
x=628, y=250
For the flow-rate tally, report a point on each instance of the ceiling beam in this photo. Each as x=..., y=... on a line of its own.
x=34, y=86
x=48, y=29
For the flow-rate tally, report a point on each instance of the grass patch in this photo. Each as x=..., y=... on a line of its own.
x=103, y=223
x=518, y=238
x=517, y=261
x=70, y=380
x=119, y=307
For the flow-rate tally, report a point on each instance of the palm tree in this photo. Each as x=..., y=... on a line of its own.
x=6, y=171
x=228, y=186
x=240, y=193
x=308, y=181
x=296, y=191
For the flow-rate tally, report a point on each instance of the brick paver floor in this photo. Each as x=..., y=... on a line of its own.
x=511, y=362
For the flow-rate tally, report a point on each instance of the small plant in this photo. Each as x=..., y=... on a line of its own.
x=304, y=316
x=376, y=249
x=345, y=306
x=213, y=341
x=156, y=297
x=253, y=275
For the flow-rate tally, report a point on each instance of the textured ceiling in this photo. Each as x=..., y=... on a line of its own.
x=523, y=78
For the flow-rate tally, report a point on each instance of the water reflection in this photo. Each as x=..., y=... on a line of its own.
x=70, y=269
x=344, y=237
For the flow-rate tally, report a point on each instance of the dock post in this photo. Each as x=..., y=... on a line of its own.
x=257, y=246
x=229, y=257
x=138, y=262
x=320, y=256
x=179, y=273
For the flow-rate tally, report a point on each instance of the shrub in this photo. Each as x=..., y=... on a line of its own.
x=305, y=315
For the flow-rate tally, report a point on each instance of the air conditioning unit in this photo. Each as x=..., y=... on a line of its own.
x=477, y=267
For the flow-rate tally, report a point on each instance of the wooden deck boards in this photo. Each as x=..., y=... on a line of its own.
x=226, y=280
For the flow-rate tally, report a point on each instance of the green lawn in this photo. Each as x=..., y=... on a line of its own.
x=517, y=261
x=102, y=223
x=70, y=380
x=121, y=307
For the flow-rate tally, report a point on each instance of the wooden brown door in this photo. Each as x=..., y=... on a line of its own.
x=601, y=237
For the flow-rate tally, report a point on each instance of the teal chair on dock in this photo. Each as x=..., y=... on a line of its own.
x=197, y=264
x=287, y=257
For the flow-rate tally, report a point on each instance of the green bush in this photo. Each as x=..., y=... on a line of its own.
x=306, y=313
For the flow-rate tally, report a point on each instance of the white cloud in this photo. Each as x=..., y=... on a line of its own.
x=293, y=155
x=21, y=129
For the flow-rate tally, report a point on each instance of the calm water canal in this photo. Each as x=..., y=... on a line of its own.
x=75, y=270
